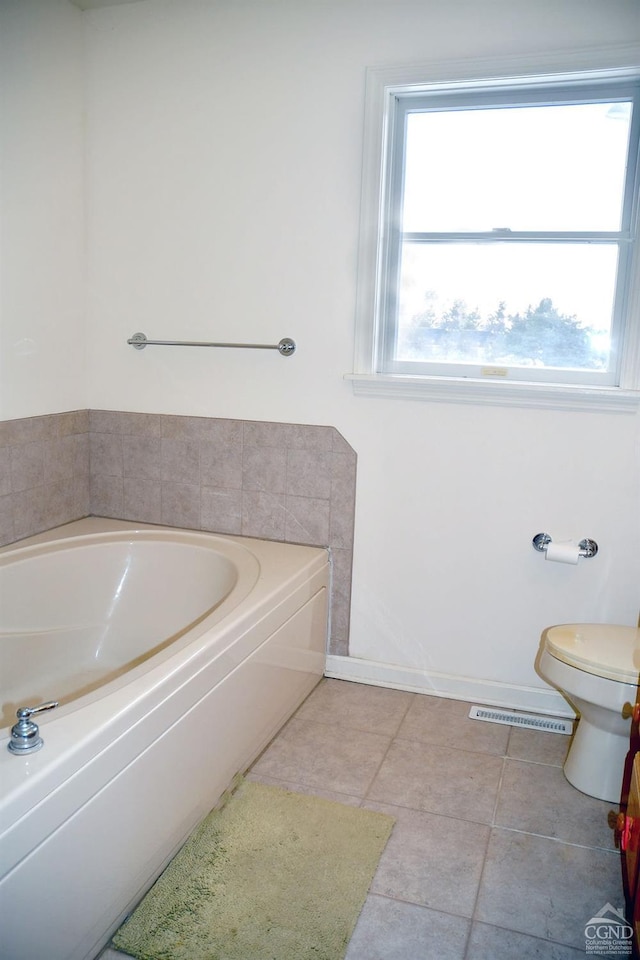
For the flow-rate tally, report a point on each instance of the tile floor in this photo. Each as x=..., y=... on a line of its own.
x=494, y=856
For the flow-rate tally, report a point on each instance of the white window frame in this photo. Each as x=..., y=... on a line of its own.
x=384, y=85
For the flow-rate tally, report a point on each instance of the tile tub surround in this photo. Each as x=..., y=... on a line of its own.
x=494, y=856
x=277, y=481
x=44, y=473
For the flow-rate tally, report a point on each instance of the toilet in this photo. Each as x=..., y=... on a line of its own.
x=596, y=667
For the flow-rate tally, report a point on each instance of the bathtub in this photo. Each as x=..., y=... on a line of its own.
x=175, y=657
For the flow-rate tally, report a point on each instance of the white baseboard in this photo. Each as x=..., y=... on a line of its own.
x=531, y=699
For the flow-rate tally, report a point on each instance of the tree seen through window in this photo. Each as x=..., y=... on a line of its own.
x=539, y=336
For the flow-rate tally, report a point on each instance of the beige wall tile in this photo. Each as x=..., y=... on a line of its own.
x=142, y=500
x=107, y=496
x=221, y=510
x=264, y=468
x=141, y=457
x=181, y=504
x=105, y=455
x=307, y=521
x=263, y=515
x=180, y=460
x=309, y=473
x=27, y=465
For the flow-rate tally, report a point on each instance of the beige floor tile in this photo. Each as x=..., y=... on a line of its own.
x=430, y=860
x=538, y=746
x=304, y=788
x=391, y=930
x=534, y=880
x=546, y=888
x=454, y=783
x=537, y=798
x=357, y=706
x=320, y=755
x=492, y=943
x=447, y=723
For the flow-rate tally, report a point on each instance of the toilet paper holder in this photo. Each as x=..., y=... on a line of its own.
x=588, y=548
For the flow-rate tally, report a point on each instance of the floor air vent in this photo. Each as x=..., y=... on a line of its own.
x=530, y=720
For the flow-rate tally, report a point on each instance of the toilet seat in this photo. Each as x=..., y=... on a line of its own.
x=606, y=650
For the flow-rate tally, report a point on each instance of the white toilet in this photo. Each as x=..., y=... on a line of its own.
x=596, y=666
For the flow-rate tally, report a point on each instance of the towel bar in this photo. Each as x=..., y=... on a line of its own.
x=286, y=346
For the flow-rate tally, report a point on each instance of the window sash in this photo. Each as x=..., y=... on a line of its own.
x=393, y=238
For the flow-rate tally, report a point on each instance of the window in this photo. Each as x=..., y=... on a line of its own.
x=502, y=247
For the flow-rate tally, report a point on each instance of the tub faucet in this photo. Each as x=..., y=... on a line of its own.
x=25, y=737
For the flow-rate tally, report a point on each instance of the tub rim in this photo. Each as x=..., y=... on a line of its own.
x=31, y=779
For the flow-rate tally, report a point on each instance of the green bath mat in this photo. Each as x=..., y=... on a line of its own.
x=272, y=875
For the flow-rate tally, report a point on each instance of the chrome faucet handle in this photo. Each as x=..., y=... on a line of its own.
x=25, y=736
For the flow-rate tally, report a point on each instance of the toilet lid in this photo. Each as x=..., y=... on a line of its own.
x=604, y=649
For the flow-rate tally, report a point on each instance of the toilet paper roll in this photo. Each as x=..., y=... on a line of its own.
x=567, y=552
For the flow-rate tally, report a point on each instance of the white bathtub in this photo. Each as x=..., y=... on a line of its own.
x=176, y=656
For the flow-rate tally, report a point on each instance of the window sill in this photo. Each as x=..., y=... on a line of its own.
x=496, y=393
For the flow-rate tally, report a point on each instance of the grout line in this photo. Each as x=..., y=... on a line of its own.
x=530, y=936
x=365, y=795
x=566, y=843
x=539, y=763
x=451, y=749
x=473, y=919
x=422, y=906
x=491, y=827
x=392, y=740
x=498, y=792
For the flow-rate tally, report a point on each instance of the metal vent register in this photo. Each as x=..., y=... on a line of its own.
x=530, y=720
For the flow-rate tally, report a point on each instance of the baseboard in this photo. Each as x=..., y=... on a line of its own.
x=532, y=699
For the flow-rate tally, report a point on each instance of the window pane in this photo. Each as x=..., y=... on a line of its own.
x=535, y=168
x=513, y=304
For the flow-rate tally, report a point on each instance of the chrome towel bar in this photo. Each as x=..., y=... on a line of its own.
x=286, y=346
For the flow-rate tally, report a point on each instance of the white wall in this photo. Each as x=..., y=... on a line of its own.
x=223, y=175
x=42, y=323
